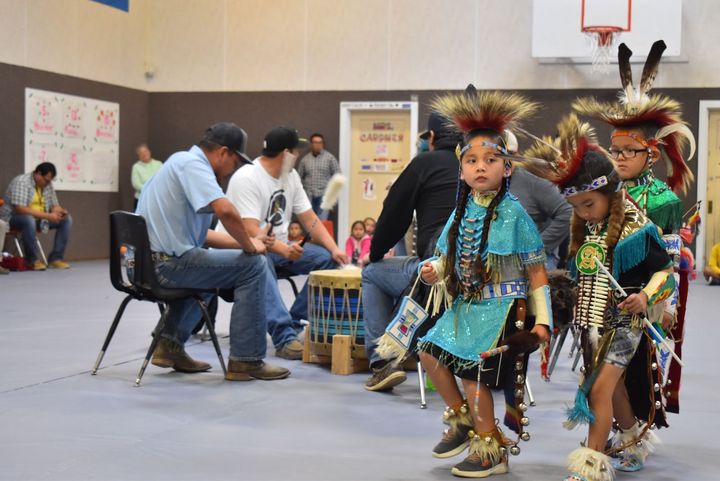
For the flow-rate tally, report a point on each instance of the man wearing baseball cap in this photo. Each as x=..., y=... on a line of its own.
x=267, y=194
x=178, y=204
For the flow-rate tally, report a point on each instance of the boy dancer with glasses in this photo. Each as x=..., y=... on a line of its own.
x=647, y=128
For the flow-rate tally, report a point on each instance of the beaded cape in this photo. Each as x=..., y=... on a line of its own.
x=472, y=324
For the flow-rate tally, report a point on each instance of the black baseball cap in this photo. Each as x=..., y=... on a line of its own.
x=228, y=134
x=435, y=124
x=281, y=138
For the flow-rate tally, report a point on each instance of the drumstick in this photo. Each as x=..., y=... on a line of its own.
x=646, y=321
x=330, y=198
x=518, y=343
x=494, y=352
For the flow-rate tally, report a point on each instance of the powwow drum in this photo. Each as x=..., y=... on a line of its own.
x=335, y=309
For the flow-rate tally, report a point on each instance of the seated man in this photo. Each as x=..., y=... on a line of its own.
x=267, y=194
x=712, y=269
x=178, y=204
x=30, y=206
x=427, y=187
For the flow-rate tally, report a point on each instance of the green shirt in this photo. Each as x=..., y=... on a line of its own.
x=141, y=173
x=657, y=201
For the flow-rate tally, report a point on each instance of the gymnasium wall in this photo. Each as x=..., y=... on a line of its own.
x=89, y=238
x=177, y=66
x=318, y=45
x=174, y=121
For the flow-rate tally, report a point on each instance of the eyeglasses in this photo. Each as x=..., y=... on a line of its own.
x=626, y=153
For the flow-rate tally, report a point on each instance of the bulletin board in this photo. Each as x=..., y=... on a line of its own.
x=79, y=135
x=377, y=141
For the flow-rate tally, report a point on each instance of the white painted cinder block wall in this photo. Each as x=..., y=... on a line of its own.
x=298, y=45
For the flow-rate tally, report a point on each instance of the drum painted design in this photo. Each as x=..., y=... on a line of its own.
x=335, y=307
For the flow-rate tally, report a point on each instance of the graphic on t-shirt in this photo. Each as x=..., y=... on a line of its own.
x=276, y=208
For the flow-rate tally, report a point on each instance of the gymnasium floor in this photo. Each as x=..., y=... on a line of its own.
x=57, y=422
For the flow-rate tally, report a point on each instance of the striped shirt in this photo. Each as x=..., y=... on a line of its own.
x=21, y=191
x=315, y=172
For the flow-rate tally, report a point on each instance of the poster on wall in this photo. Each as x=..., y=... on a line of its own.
x=81, y=136
x=377, y=141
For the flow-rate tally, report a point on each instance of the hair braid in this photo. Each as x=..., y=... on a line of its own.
x=616, y=219
x=451, y=275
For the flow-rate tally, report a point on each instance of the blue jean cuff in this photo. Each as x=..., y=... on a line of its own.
x=246, y=359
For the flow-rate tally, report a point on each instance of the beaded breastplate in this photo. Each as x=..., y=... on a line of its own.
x=593, y=289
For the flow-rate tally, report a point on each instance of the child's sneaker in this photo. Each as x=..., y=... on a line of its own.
x=485, y=457
x=457, y=437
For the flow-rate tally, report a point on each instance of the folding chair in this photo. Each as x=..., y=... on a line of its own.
x=138, y=280
x=17, y=235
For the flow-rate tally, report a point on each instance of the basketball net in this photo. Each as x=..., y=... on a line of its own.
x=602, y=44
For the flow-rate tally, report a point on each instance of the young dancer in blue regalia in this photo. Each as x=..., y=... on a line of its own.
x=490, y=261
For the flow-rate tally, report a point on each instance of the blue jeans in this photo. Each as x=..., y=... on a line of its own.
x=28, y=226
x=280, y=324
x=314, y=258
x=219, y=269
x=383, y=283
x=315, y=202
x=552, y=262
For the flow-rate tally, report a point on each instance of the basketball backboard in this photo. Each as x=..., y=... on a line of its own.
x=557, y=34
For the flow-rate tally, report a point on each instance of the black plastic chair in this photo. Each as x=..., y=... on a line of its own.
x=138, y=280
x=283, y=274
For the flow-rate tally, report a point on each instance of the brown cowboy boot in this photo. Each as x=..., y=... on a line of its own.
x=170, y=354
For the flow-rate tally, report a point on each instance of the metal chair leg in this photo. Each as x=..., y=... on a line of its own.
x=211, y=329
x=111, y=333
x=17, y=246
x=421, y=380
x=293, y=286
x=576, y=342
x=578, y=355
x=42, y=252
x=529, y=391
x=155, y=340
x=557, y=347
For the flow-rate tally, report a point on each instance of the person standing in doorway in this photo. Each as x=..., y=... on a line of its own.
x=315, y=169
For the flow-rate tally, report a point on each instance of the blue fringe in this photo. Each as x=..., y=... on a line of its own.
x=633, y=249
x=580, y=412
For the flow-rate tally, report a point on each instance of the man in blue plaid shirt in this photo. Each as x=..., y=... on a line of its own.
x=30, y=206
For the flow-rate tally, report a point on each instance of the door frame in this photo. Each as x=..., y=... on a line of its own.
x=346, y=110
x=703, y=125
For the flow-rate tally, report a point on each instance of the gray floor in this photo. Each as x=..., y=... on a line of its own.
x=59, y=423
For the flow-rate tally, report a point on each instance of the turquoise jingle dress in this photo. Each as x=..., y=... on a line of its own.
x=476, y=320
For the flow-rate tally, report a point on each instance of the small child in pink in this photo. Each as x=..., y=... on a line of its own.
x=357, y=245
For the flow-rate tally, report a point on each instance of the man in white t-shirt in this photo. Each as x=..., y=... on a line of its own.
x=267, y=194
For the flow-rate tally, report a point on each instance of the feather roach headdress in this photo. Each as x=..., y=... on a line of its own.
x=636, y=108
x=573, y=160
x=473, y=111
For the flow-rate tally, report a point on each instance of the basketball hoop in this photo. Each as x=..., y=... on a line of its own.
x=602, y=21
x=602, y=42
